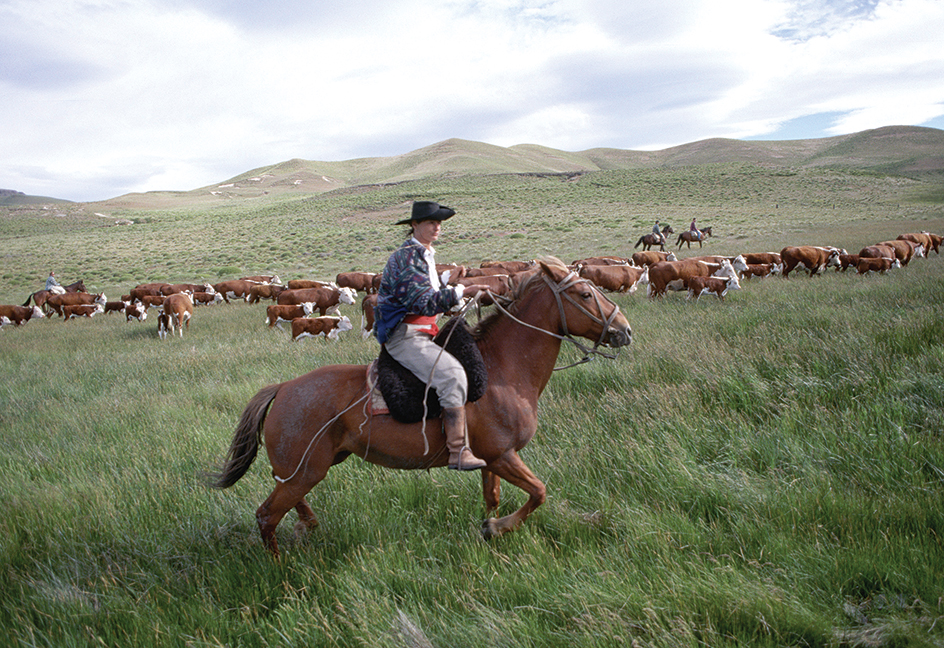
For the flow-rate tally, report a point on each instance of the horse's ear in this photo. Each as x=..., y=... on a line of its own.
x=557, y=272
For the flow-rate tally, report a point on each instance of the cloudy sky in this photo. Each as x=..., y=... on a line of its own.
x=103, y=97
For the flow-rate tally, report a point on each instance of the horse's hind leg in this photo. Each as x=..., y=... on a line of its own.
x=285, y=497
x=511, y=468
x=306, y=518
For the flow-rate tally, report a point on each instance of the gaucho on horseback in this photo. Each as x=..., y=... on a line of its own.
x=410, y=297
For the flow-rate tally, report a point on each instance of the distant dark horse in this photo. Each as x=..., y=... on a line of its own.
x=688, y=237
x=648, y=240
x=40, y=296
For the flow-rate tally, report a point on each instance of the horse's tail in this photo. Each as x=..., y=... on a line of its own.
x=26, y=303
x=245, y=445
x=638, y=242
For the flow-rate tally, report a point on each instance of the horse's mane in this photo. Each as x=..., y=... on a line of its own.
x=525, y=282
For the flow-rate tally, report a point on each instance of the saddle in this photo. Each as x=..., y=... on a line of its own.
x=403, y=392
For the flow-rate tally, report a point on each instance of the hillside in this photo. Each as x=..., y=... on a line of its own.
x=898, y=150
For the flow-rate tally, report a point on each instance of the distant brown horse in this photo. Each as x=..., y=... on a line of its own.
x=317, y=420
x=688, y=237
x=649, y=240
x=40, y=296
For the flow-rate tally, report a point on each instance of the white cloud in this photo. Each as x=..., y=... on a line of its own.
x=104, y=96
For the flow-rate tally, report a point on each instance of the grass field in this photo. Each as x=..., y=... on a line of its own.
x=764, y=471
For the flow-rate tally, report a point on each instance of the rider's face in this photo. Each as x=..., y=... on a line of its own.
x=427, y=231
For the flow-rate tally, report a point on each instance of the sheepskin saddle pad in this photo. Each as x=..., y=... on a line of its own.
x=403, y=391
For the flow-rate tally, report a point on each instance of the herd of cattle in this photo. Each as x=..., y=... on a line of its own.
x=298, y=301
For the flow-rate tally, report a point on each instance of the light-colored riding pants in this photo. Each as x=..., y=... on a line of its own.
x=416, y=351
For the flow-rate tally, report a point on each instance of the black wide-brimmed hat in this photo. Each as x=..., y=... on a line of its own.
x=424, y=210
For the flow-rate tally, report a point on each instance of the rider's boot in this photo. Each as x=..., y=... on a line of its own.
x=460, y=457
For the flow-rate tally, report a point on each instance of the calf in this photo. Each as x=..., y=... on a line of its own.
x=759, y=270
x=279, y=313
x=330, y=327
x=368, y=304
x=206, y=298
x=81, y=310
x=137, y=311
x=847, y=261
x=179, y=308
x=115, y=306
x=698, y=286
x=163, y=324
x=19, y=315
x=880, y=265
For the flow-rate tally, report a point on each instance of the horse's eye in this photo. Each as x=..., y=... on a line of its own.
x=586, y=295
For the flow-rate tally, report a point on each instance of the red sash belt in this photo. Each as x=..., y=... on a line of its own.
x=427, y=323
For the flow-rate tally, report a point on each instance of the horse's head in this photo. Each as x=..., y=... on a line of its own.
x=584, y=310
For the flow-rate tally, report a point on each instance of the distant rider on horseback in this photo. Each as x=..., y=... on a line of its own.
x=410, y=297
x=52, y=284
x=695, y=231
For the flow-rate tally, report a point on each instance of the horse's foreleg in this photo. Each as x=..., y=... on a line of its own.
x=511, y=468
x=491, y=490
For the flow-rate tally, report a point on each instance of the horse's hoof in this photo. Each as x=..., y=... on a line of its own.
x=489, y=529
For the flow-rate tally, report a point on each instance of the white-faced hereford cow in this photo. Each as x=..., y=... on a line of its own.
x=928, y=240
x=880, y=265
x=675, y=275
x=812, y=258
x=759, y=270
x=278, y=313
x=179, y=308
x=357, y=281
x=368, y=304
x=20, y=315
x=234, y=289
x=81, y=310
x=330, y=327
x=56, y=302
x=905, y=251
x=652, y=256
x=137, y=311
x=698, y=286
x=615, y=278
x=323, y=299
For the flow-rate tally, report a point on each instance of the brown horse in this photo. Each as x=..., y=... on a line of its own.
x=40, y=296
x=317, y=420
x=649, y=240
x=688, y=237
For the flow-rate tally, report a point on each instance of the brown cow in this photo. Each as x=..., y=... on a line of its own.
x=847, y=261
x=812, y=258
x=498, y=285
x=264, y=291
x=759, y=270
x=698, y=286
x=456, y=272
x=163, y=325
x=179, y=308
x=56, y=302
x=233, y=289
x=170, y=289
x=330, y=327
x=509, y=267
x=81, y=310
x=142, y=290
x=356, y=281
x=20, y=315
x=878, y=252
x=137, y=311
x=652, y=256
x=152, y=301
x=675, y=275
x=764, y=257
x=116, y=306
x=368, y=304
x=207, y=298
x=299, y=284
x=877, y=264
x=905, y=251
x=262, y=279
x=601, y=261
x=615, y=278
x=324, y=299
x=278, y=313
x=928, y=240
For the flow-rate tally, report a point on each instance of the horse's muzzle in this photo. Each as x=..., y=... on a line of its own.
x=619, y=335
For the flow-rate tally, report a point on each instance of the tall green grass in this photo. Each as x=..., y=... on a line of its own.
x=764, y=471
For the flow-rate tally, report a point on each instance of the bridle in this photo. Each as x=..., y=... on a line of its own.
x=560, y=288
